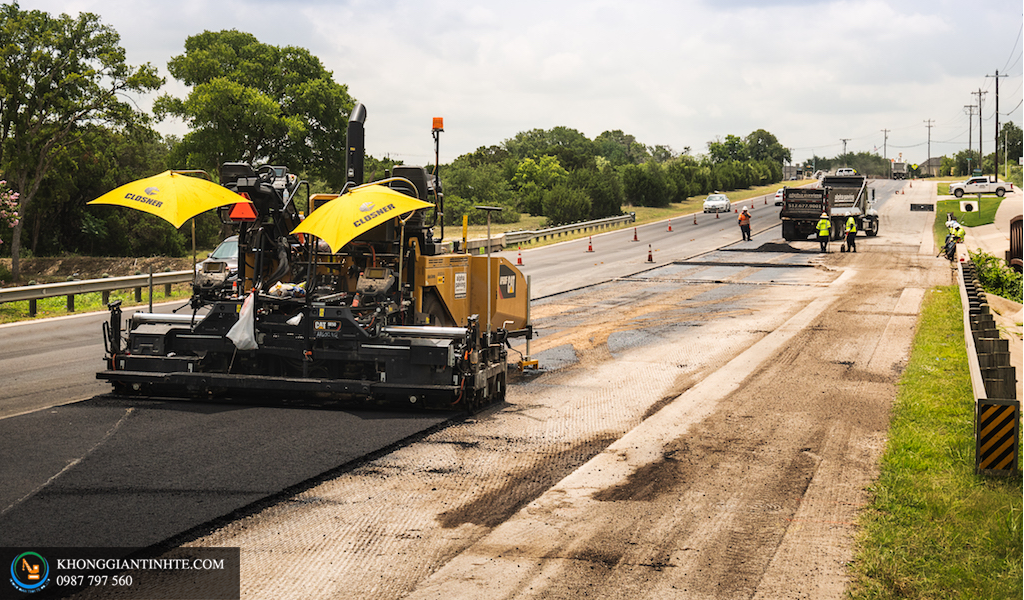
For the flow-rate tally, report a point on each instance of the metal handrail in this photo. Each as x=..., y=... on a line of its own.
x=517, y=237
x=88, y=286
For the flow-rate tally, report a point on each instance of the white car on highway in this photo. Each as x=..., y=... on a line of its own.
x=717, y=203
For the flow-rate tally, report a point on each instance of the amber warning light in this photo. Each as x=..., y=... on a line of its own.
x=438, y=123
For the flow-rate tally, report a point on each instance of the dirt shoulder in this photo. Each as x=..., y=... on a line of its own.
x=704, y=431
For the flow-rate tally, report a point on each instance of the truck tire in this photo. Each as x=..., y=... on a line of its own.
x=958, y=193
x=1000, y=192
x=871, y=230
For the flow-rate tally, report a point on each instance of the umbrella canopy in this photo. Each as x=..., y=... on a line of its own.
x=172, y=196
x=356, y=211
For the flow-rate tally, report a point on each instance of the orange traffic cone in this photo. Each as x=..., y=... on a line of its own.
x=670, y=224
x=650, y=257
x=694, y=218
x=519, y=259
x=716, y=216
x=634, y=235
x=590, y=245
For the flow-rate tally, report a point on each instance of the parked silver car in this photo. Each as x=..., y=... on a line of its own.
x=219, y=268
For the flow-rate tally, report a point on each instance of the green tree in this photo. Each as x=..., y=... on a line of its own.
x=534, y=177
x=566, y=204
x=602, y=185
x=466, y=186
x=1010, y=138
x=646, y=185
x=731, y=148
x=258, y=103
x=573, y=149
x=620, y=148
x=764, y=146
x=59, y=73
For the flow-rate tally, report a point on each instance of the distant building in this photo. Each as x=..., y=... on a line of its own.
x=930, y=167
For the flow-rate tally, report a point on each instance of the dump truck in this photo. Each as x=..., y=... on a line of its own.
x=899, y=170
x=390, y=318
x=850, y=196
x=801, y=209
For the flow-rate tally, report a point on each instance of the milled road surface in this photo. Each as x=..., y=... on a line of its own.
x=704, y=430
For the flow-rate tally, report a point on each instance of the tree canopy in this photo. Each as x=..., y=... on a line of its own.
x=258, y=103
x=60, y=75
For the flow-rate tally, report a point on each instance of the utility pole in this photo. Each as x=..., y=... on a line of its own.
x=844, y=150
x=928, y=124
x=981, y=155
x=970, y=132
x=995, y=166
x=885, y=153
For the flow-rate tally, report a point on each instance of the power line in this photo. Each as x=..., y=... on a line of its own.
x=1014, y=54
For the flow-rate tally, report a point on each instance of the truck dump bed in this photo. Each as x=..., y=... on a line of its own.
x=848, y=194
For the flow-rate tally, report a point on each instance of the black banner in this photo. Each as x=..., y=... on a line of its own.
x=179, y=574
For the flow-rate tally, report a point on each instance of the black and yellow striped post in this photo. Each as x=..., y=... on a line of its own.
x=997, y=424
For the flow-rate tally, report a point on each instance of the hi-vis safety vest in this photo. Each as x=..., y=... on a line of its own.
x=824, y=225
x=851, y=225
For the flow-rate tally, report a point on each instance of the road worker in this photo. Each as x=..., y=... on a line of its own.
x=744, y=221
x=851, y=234
x=824, y=227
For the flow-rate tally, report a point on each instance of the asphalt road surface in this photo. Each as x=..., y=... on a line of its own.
x=621, y=338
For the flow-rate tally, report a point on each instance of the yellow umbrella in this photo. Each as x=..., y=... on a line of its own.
x=172, y=196
x=356, y=211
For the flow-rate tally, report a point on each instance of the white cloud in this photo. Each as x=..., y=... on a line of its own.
x=678, y=73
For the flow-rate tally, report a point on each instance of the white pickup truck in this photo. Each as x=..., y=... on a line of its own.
x=980, y=185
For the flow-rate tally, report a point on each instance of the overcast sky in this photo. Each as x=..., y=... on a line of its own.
x=679, y=73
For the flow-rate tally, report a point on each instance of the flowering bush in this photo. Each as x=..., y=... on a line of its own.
x=8, y=207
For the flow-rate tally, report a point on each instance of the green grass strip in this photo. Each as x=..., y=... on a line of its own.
x=934, y=529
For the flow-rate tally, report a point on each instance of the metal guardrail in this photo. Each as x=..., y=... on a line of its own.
x=993, y=381
x=518, y=237
x=32, y=293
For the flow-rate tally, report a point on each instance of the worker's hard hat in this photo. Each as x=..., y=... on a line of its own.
x=824, y=215
x=744, y=208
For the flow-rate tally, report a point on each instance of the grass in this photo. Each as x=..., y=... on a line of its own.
x=934, y=528
x=11, y=312
x=985, y=215
x=644, y=214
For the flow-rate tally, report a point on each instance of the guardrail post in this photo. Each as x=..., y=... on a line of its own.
x=105, y=294
x=138, y=294
x=167, y=290
x=71, y=303
x=993, y=381
x=32, y=307
x=997, y=427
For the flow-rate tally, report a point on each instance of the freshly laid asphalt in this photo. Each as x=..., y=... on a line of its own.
x=128, y=473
